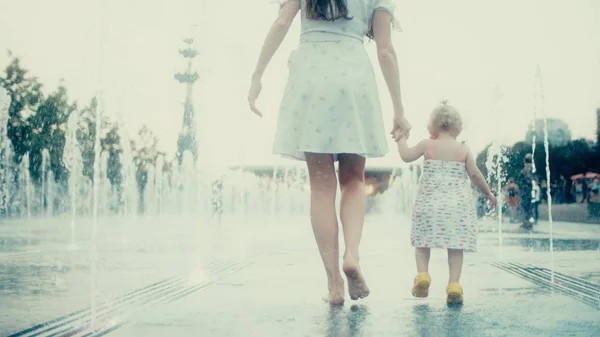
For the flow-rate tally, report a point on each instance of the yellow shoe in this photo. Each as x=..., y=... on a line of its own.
x=421, y=287
x=454, y=293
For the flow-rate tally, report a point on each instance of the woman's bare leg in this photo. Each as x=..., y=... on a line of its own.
x=323, y=187
x=352, y=209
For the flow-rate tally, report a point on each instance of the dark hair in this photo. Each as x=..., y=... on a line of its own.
x=528, y=158
x=328, y=10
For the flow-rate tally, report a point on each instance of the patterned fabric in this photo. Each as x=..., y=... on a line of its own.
x=331, y=102
x=444, y=211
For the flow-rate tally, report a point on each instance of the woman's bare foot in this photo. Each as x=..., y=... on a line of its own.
x=357, y=286
x=336, y=294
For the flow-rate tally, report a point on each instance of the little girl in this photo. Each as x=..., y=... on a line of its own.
x=444, y=211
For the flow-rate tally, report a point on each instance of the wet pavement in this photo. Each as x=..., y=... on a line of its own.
x=262, y=276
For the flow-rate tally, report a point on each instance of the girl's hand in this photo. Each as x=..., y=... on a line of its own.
x=398, y=135
x=492, y=199
x=255, y=89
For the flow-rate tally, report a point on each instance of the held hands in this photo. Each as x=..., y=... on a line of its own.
x=401, y=128
x=255, y=89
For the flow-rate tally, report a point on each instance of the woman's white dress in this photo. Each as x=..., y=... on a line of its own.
x=331, y=102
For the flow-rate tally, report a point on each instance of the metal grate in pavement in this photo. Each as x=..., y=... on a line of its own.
x=575, y=287
x=112, y=314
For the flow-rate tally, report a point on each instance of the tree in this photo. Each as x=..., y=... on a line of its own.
x=86, y=135
x=25, y=95
x=566, y=160
x=598, y=131
x=49, y=127
x=111, y=143
x=482, y=158
x=36, y=122
x=145, y=152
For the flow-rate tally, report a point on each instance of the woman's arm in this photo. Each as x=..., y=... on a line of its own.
x=388, y=61
x=275, y=36
x=410, y=154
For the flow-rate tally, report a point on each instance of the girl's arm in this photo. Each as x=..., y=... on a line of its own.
x=275, y=36
x=477, y=177
x=410, y=154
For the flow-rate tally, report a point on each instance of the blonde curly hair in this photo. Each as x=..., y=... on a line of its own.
x=445, y=118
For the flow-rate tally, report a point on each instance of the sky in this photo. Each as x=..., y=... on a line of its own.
x=481, y=55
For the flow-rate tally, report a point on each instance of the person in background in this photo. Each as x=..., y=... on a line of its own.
x=544, y=189
x=562, y=190
x=524, y=181
x=594, y=190
x=578, y=191
x=536, y=199
x=512, y=199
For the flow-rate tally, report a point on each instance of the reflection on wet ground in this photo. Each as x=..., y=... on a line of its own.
x=431, y=321
x=41, y=279
x=346, y=322
x=543, y=244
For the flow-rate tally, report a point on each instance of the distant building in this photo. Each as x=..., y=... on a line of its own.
x=558, y=132
x=377, y=179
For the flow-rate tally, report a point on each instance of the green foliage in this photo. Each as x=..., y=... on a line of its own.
x=36, y=122
x=571, y=158
x=145, y=152
x=86, y=133
x=111, y=143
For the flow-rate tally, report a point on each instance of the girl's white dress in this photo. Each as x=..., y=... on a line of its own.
x=444, y=211
x=331, y=102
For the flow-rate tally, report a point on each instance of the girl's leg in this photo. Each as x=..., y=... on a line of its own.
x=455, y=262
x=454, y=290
x=423, y=280
x=323, y=187
x=352, y=209
x=422, y=257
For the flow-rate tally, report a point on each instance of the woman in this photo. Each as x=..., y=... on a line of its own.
x=331, y=112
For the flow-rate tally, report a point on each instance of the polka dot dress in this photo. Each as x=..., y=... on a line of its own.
x=331, y=101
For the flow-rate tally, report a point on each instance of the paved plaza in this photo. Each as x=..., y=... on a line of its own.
x=262, y=276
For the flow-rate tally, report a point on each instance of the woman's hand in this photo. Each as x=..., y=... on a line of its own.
x=255, y=89
x=401, y=128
